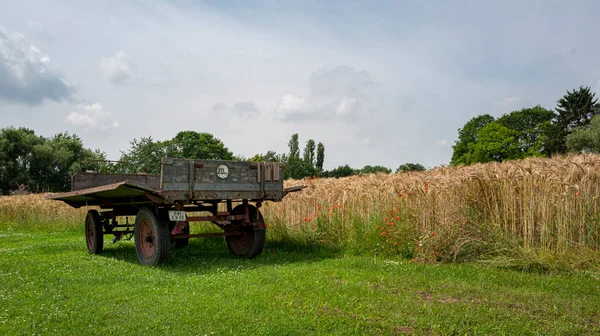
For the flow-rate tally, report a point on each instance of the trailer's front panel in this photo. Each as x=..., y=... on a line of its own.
x=183, y=179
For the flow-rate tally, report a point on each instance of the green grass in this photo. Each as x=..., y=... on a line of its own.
x=49, y=284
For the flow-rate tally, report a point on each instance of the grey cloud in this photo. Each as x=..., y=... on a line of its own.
x=245, y=110
x=26, y=75
x=340, y=93
x=219, y=107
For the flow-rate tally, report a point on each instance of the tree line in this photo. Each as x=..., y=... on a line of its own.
x=532, y=132
x=311, y=162
x=34, y=163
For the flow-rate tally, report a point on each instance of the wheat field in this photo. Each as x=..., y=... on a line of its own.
x=537, y=203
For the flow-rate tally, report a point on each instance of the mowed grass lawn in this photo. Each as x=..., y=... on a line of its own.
x=49, y=284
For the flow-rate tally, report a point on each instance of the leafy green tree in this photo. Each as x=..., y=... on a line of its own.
x=308, y=160
x=57, y=159
x=575, y=109
x=495, y=142
x=341, y=171
x=410, y=167
x=467, y=136
x=532, y=126
x=194, y=145
x=294, y=165
x=294, y=146
x=585, y=139
x=375, y=169
x=143, y=156
x=269, y=156
x=309, y=153
x=320, y=157
x=16, y=147
x=41, y=164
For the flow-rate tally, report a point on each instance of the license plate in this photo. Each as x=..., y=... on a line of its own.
x=177, y=216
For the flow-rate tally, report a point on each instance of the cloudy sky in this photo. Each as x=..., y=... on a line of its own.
x=379, y=83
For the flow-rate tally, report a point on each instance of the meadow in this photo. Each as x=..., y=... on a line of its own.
x=508, y=248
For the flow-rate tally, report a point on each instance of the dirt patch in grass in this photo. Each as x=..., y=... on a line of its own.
x=428, y=297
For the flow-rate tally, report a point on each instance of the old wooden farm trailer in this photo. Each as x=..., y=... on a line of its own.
x=162, y=205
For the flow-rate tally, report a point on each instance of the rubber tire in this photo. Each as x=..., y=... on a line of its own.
x=258, y=236
x=180, y=243
x=96, y=243
x=162, y=238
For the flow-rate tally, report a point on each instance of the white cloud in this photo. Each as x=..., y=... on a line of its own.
x=347, y=106
x=441, y=142
x=118, y=69
x=92, y=116
x=290, y=106
x=339, y=93
x=26, y=74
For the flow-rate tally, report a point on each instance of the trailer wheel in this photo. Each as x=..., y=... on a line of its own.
x=94, y=236
x=252, y=241
x=152, y=238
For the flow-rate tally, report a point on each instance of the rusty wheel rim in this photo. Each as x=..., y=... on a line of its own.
x=147, y=239
x=241, y=244
x=89, y=233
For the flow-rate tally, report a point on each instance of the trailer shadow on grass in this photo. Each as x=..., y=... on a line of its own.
x=208, y=254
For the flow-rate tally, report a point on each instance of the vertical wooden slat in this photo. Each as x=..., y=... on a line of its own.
x=268, y=171
x=276, y=169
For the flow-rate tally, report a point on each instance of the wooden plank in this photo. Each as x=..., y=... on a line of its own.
x=219, y=187
x=174, y=196
x=81, y=181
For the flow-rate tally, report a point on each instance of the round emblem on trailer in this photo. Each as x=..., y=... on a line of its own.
x=222, y=171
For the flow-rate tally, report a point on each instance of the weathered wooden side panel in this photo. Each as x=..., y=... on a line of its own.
x=184, y=179
x=82, y=181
